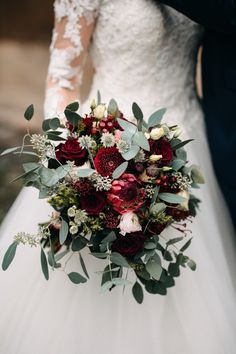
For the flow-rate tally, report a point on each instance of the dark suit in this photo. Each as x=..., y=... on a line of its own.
x=219, y=84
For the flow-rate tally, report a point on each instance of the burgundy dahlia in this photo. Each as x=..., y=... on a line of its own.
x=161, y=147
x=111, y=220
x=126, y=194
x=107, y=160
x=83, y=186
x=130, y=244
x=71, y=150
x=93, y=203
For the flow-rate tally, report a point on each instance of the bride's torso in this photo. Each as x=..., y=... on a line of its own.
x=145, y=52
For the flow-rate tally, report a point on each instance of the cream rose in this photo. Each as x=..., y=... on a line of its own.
x=129, y=222
x=99, y=111
x=184, y=204
x=157, y=133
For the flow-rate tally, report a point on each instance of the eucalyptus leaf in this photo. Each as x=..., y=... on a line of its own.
x=177, y=164
x=150, y=246
x=9, y=255
x=191, y=264
x=196, y=175
x=99, y=97
x=78, y=243
x=30, y=153
x=109, y=238
x=174, y=240
x=55, y=137
x=73, y=117
x=83, y=266
x=46, y=124
x=181, y=144
x=137, y=291
x=157, y=208
x=155, y=287
x=120, y=170
x=54, y=123
x=59, y=256
x=154, y=269
x=44, y=264
x=171, y=198
x=155, y=195
x=76, y=278
x=127, y=126
x=63, y=233
x=24, y=174
x=118, y=259
x=29, y=112
x=140, y=139
x=173, y=269
x=85, y=172
x=112, y=107
x=186, y=245
x=9, y=151
x=156, y=117
x=131, y=153
x=181, y=154
x=74, y=106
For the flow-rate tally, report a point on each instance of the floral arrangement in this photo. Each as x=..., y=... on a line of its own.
x=116, y=185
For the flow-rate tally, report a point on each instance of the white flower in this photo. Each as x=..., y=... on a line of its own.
x=177, y=133
x=71, y=211
x=74, y=229
x=184, y=204
x=154, y=158
x=122, y=146
x=147, y=135
x=80, y=216
x=99, y=111
x=108, y=140
x=93, y=104
x=157, y=133
x=129, y=223
x=86, y=141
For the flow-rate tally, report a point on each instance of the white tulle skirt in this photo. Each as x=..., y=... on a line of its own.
x=198, y=315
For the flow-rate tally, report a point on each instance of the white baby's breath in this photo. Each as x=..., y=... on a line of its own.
x=108, y=140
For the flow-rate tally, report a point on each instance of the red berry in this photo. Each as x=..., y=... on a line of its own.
x=158, y=182
x=164, y=178
x=102, y=124
x=93, y=131
x=104, y=130
x=109, y=125
x=173, y=179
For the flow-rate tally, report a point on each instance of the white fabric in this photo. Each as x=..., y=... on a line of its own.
x=144, y=53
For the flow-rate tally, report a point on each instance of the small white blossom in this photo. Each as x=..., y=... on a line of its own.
x=122, y=146
x=101, y=183
x=43, y=146
x=74, y=229
x=71, y=211
x=154, y=158
x=86, y=141
x=80, y=217
x=108, y=140
x=157, y=133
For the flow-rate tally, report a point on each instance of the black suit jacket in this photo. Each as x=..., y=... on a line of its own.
x=219, y=84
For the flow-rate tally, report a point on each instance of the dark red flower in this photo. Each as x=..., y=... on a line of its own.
x=111, y=220
x=83, y=186
x=177, y=214
x=93, y=203
x=88, y=123
x=126, y=194
x=71, y=150
x=156, y=228
x=107, y=160
x=161, y=147
x=130, y=244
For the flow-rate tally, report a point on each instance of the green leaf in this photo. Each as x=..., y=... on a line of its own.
x=99, y=97
x=54, y=137
x=120, y=170
x=138, y=114
x=85, y=172
x=59, y=256
x=150, y=246
x=78, y=243
x=64, y=229
x=156, y=117
x=31, y=153
x=118, y=259
x=46, y=124
x=155, y=195
x=176, y=146
x=177, y=164
x=196, y=175
x=171, y=198
x=29, y=112
x=155, y=287
x=131, y=153
x=114, y=282
x=173, y=269
x=26, y=173
x=9, y=255
x=83, y=266
x=154, y=268
x=76, y=278
x=74, y=106
x=181, y=154
x=137, y=291
x=73, y=117
x=44, y=264
x=186, y=245
x=174, y=240
x=191, y=264
x=112, y=107
x=129, y=128
x=54, y=123
x=49, y=177
x=140, y=139
x=8, y=151
x=109, y=238
x=101, y=255
x=157, y=208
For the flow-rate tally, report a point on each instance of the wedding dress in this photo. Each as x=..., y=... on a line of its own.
x=142, y=52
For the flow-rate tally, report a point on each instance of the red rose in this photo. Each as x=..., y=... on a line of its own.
x=107, y=160
x=93, y=203
x=161, y=147
x=130, y=244
x=71, y=150
x=126, y=194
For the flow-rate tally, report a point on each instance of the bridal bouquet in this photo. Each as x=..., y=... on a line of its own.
x=116, y=186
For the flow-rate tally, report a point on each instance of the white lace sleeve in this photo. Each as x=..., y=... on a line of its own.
x=74, y=23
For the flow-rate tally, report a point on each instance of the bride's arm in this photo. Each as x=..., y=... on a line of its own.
x=74, y=24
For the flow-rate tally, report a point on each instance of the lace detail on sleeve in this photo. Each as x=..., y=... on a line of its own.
x=74, y=23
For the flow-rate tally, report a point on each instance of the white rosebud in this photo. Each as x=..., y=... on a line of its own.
x=184, y=205
x=154, y=158
x=129, y=223
x=166, y=168
x=99, y=111
x=74, y=229
x=71, y=212
x=147, y=135
x=157, y=133
x=177, y=133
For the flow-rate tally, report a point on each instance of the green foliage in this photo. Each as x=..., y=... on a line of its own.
x=74, y=106
x=154, y=268
x=171, y=198
x=140, y=139
x=29, y=112
x=137, y=291
x=85, y=172
x=78, y=243
x=9, y=255
x=131, y=153
x=118, y=259
x=74, y=118
x=44, y=264
x=83, y=265
x=64, y=229
x=120, y=170
x=177, y=164
x=112, y=107
x=177, y=144
x=156, y=118
x=76, y=278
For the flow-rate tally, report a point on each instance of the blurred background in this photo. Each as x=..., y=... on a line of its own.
x=25, y=31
